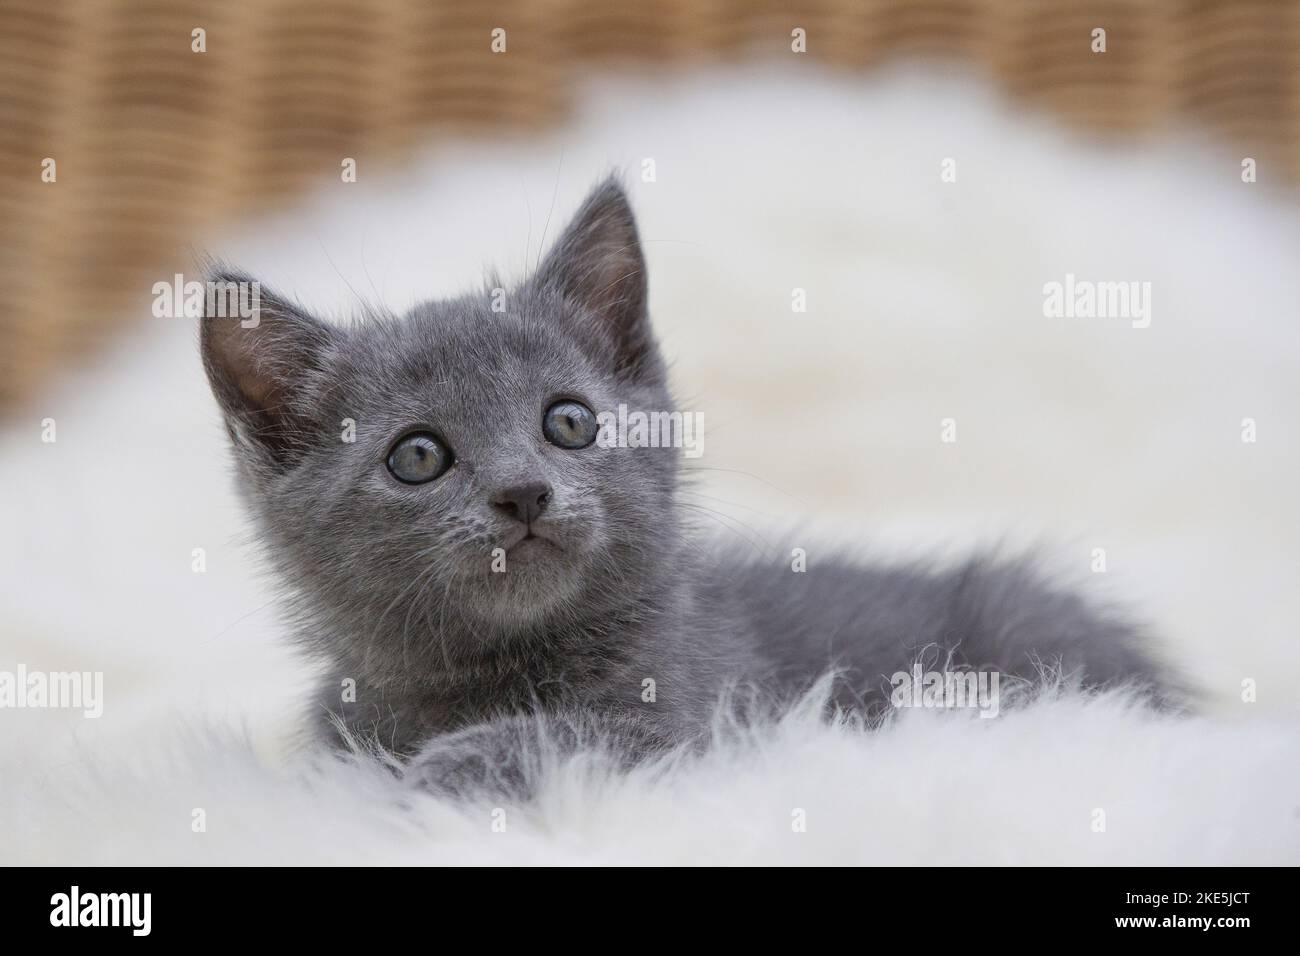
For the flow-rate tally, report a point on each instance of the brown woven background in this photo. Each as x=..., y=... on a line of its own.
x=153, y=140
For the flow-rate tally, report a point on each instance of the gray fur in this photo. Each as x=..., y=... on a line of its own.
x=469, y=674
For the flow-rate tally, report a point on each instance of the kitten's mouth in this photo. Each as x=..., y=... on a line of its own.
x=531, y=541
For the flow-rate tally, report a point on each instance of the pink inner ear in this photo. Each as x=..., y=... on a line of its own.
x=259, y=390
x=237, y=350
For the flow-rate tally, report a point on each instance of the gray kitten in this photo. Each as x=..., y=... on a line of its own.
x=487, y=585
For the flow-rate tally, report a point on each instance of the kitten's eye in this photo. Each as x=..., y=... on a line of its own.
x=569, y=424
x=418, y=458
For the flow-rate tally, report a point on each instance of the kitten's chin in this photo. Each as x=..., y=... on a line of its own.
x=538, y=581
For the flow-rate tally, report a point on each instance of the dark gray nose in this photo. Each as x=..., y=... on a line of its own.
x=523, y=502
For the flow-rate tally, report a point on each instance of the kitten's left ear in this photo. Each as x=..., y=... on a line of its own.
x=597, y=264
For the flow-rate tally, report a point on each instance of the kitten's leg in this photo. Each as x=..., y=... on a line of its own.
x=998, y=616
x=1003, y=616
x=511, y=754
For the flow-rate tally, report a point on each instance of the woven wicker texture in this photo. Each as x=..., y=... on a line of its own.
x=152, y=139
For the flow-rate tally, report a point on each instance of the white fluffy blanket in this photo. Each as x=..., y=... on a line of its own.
x=925, y=302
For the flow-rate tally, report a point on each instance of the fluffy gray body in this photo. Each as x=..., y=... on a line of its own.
x=471, y=636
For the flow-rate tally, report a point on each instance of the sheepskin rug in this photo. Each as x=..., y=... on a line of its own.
x=1117, y=450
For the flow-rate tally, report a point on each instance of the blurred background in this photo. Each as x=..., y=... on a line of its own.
x=918, y=170
x=154, y=141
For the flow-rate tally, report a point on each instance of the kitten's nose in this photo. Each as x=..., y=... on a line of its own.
x=523, y=502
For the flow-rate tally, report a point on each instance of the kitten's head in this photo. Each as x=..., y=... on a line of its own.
x=425, y=478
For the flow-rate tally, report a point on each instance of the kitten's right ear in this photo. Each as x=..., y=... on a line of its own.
x=265, y=359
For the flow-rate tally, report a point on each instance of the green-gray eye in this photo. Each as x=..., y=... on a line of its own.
x=418, y=458
x=569, y=424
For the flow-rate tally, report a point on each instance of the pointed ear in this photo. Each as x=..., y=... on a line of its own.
x=597, y=266
x=265, y=359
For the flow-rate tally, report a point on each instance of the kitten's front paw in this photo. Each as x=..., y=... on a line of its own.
x=466, y=764
x=450, y=772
